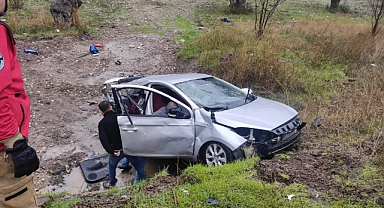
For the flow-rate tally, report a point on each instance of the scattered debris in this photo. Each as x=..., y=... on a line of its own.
x=118, y=62
x=185, y=191
x=225, y=20
x=67, y=169
x=98, y=45
x=212, y=201
x=316, y=122
x=200, y=26
x=92, y=102
x=92, y=50
x=125, y=198
x=290, y=196
x=29, y=51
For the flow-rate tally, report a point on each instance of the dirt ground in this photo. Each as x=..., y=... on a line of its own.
x=63, y=126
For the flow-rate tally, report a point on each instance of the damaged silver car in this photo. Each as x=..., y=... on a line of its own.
x=210, y=120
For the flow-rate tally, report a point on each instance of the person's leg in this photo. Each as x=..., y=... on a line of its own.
x=15, y=192
x=140, y=173
x=139, y=164
x=124, y=163
x=112, y=164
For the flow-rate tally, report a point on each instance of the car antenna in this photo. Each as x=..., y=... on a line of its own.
x=249, y=89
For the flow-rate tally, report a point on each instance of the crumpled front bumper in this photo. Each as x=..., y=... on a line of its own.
x=270, y=148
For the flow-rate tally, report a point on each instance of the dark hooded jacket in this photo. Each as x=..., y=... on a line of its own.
x=109, y=132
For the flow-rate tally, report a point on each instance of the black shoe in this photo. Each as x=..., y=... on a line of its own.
x=127, y=168
x=107, y=185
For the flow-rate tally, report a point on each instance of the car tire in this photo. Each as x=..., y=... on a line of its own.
x=215, y=153
x=239, y=154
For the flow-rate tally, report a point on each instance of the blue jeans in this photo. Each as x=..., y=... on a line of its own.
x=137, y=162
x=124, y=163
x=112, y=165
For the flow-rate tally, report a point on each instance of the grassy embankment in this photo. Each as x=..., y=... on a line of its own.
x=329, y=62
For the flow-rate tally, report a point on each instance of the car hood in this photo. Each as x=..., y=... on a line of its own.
x=261, y=113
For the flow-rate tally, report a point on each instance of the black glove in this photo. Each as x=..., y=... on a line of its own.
x=24, y=158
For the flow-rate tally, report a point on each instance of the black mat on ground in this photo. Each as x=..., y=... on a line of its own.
x=95, y=168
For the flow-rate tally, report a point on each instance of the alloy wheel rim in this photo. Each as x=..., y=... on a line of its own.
x=215, y=155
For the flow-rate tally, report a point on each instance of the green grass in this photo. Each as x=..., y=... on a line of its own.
x=60, y=203
x=233, y=185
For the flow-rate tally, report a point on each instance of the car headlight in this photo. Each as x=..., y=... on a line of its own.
x=256, y=135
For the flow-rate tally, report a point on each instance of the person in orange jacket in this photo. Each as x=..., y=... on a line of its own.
x=20, y=160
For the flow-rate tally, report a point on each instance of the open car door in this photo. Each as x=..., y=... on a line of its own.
x=147, y=135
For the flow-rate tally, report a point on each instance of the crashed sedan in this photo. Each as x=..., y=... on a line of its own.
x=213, y=121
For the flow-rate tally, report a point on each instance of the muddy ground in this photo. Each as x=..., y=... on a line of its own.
x=63, y=126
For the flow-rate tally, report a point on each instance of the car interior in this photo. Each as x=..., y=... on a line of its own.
x=135, y=101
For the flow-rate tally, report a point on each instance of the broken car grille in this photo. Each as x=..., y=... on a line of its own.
x=288, y=128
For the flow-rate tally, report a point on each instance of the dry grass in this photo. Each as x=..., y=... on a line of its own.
x=357, y=108
x=17, y=4
x=304, y=57
x=75, y=17
x=338, y=42
x=38, y=21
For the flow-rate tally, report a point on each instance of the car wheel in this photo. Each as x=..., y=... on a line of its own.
x=217, y=154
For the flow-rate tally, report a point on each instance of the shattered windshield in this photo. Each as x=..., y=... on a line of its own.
x=212, y=93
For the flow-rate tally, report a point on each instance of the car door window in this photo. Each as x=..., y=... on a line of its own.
x=170, y=92
x=142, y=102
x=129, y=100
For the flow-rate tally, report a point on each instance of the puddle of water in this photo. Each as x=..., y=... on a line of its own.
x=74, y=183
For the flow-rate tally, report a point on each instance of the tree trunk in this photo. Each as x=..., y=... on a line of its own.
x=335, y=4
x=237, y=4
x=62, y=11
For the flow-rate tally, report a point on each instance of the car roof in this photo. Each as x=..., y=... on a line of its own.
x=168, y=78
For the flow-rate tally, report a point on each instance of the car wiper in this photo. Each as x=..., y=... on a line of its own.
x=216, y=108
x=250, y=97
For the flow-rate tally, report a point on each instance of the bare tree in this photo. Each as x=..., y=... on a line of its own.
x=335, y=4
x=237, y=4
x=377, y=7
x=65, y=11
x=264, y=11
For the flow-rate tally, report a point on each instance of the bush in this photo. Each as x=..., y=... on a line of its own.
x=16, y=4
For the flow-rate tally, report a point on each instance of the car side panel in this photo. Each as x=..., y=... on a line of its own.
x=208, y=131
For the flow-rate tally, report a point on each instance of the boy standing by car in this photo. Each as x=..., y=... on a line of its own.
x=110, y=138
x=20, y=160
